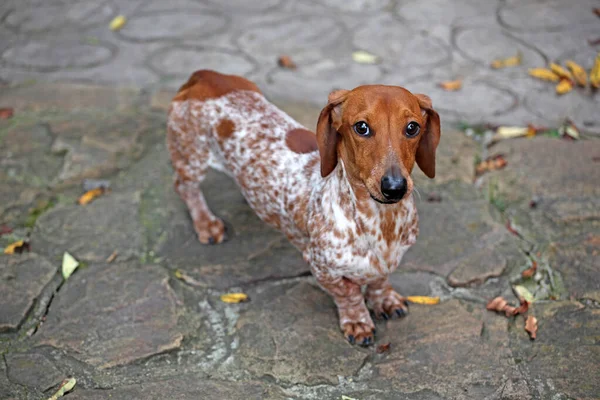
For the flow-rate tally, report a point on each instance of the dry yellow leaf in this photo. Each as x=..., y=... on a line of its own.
x=90, y=195
x=451, y=85
x=423, y=300
x=560, y=71
x=117, y=23
x=595, y=74
x=364, y=57
x=11, y=248
x=531, y=326
x=578, y=72
x=507, y=62
x=234, y=297
x=544, y=74
x=565, y=86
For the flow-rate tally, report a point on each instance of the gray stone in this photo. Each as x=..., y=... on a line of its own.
x=92, y=232
x=45, y=55
x=241, y=6
x=453, y=349
x=355, y=6
x=552, y=15
x=291, y=333
x=110, y=315
x=33, y=370
x=55, y=16
x=169, y=25
x=434, y=13
x=184, y=388
x=22, y=279
x=181, y=61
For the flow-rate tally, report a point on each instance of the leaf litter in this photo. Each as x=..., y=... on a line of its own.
x=234, y=298
x=66, y=386
x=69, y=265
x=17, y=247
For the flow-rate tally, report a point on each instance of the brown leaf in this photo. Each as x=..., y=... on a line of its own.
x=531, y=326
x=529, y=272
x=5, y=230
x=523, y=307
x=90, y=195
x=500, y=305
x=6, y=113
x=112, y=257
x=510, y=228
x=597, y=11
x=434, y=198
x=507, y=62
x=382, y=348
x=451, y=86
x=594, y=240
x=286, y=62
x=490, y=164
x=182, y=276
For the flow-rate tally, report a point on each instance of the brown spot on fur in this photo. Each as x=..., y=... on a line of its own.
x=301, y=141
x=206, y=84
x=225, y=129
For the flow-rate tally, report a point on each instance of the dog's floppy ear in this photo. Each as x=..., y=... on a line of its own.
x=430, y=138
x=327, y=134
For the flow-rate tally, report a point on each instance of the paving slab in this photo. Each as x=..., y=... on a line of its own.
x=112, y=315
x=22, y=279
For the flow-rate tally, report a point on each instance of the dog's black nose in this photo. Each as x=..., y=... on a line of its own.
x=393, y=186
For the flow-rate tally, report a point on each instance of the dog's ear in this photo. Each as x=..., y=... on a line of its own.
x=327, y=134
x=430, y=138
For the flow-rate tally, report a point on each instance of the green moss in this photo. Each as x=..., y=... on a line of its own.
x=35, y=213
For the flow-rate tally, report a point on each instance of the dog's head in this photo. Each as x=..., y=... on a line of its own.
x=379, y=132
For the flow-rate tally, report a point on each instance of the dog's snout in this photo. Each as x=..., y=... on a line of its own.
x=393, y=185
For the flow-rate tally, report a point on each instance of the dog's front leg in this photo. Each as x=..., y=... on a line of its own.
x=355, y=321
x=385, y=301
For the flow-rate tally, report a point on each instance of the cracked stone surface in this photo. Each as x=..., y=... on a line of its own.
x=90, y=102
x=22, y=278
x=132, y=310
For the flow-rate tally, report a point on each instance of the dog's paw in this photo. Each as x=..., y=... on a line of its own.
x=211, y=232
x=359, y=333
x=389, y=305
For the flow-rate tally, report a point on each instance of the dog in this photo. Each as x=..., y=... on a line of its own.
x=343, y=197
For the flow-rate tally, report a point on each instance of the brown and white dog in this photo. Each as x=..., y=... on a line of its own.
x=348, y=207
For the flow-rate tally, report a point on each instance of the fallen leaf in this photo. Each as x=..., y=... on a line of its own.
x=523, y=307
x=347, y=398
x=595, y=73
x=508, y=132
x=69, y=265
x=17, y=247
x=507, y=62
x=90, y=195
x=511, y=229
x=182, y=276
x=112, y=257
x=569, y=129
x=529, y=272
x=423, y=300
x=382, y=348
x=531, y=326
x=500, y=305
x=561, y=72
x=66, y=386
x=523, y=293
x=286, y=62
x=117, y=23
x=490, y=164
x=578, y=72
x=5, y=230
x=234, y=297
x=451, y=86
x=544, y=74
x=564, y=86
x=364, y=57
x=434, y=198
x=6, y=113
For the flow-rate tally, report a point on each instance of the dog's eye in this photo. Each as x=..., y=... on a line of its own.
x=412, y=129
x=362, y=128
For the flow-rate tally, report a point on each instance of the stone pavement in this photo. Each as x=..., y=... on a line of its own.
x=420, y=43
x=150, y=325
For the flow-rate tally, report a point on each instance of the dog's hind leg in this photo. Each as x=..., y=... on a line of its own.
x=190, y=153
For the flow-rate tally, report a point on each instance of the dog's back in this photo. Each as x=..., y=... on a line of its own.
x=225, y=122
